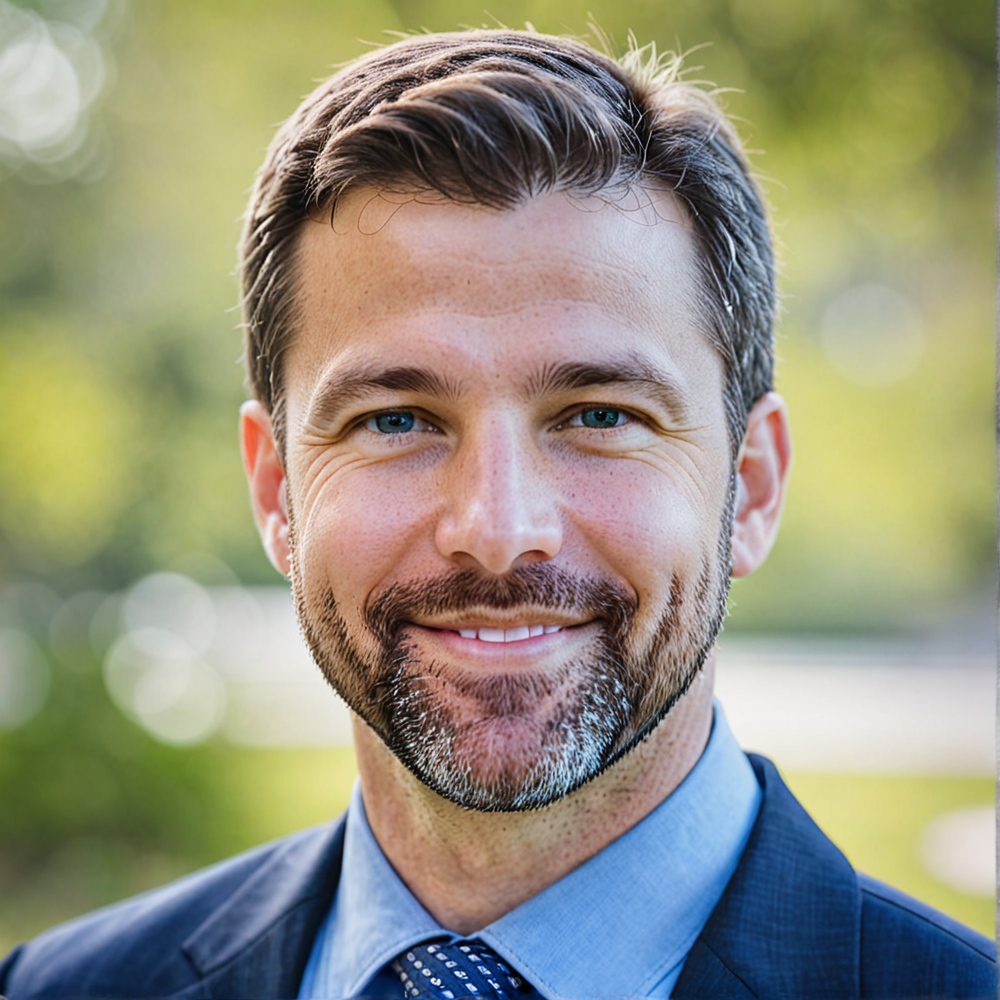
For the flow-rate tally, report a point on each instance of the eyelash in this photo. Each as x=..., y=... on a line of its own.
x=623, y=418
x=371, y=423
x=576, y=418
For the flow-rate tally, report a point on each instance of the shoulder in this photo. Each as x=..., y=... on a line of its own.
x=140, y=946
x=797, y=920
x=907, y=945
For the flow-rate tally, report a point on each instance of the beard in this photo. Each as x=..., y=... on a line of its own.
x=509, y=742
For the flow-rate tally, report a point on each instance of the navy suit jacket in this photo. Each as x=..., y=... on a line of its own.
x=795, y=921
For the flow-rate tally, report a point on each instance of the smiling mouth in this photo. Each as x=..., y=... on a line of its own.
x=517, y=634
x=487, y=633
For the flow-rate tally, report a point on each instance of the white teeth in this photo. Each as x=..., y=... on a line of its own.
x=506, y=635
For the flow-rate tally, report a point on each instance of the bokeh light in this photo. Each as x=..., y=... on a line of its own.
x=24, y=678
x=52, y=71
x=873, y=335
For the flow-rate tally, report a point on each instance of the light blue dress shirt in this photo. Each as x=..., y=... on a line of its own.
x=619, y=926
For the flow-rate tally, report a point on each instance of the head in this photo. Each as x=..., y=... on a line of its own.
x=428, y=485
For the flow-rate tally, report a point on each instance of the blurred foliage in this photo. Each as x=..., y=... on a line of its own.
x=93, y=808
x=81, y=773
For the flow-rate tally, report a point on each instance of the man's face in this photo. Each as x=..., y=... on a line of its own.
x=508, y=482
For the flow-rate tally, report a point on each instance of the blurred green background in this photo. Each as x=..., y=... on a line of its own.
x=874, y=130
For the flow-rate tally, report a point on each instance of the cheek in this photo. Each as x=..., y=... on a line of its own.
x=647, y=526
x=357, y=531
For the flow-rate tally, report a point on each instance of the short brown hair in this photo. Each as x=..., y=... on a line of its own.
x=495, y=118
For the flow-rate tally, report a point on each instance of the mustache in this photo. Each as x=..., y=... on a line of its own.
x=539, y=586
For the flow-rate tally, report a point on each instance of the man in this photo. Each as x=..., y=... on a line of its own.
x=509, y=313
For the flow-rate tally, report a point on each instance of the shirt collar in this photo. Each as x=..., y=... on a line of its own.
x=634, y=909
x=638, y=905
x=374, y=916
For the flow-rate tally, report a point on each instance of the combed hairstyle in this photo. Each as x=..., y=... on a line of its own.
x=494, y=118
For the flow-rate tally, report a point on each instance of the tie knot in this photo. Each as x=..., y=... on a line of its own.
x=464, y=969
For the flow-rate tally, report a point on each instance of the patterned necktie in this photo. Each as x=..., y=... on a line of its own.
x=464, y=969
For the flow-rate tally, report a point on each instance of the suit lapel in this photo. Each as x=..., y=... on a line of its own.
x=788, y=923
x=257, y=943
x=786, y=926
x=706, y=975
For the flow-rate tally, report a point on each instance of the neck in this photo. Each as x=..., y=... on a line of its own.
x=468, y=868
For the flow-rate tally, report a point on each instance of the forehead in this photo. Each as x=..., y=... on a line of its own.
x=557, y=278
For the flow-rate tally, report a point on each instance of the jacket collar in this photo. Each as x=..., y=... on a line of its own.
x=788, y=922
x=257, y=942
x=786, y=926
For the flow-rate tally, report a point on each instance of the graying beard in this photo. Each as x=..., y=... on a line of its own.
x=604, y=723
x=424, y=742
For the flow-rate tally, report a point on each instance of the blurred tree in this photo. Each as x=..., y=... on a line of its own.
x=80, y=771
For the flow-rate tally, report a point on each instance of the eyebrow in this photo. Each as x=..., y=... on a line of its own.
x=632, y=370
x=361, y=380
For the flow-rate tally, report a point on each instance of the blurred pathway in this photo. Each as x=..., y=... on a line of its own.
x=851, y=705
x=814, y=704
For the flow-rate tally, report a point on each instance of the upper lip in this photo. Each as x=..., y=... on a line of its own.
x=504, y=621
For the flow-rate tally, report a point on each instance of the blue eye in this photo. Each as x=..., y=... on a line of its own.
x=601, y=416
x=393, y=423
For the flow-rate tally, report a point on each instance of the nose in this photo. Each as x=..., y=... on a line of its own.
x=500, y=508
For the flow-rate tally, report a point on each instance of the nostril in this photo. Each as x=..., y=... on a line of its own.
x=495, y=514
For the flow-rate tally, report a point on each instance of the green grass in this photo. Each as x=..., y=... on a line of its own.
x=877, y=821
x=267, y=793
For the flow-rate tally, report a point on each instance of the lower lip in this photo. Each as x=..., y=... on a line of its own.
x=533, y=646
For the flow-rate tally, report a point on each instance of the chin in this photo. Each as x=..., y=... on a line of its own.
x=505, y=743
x=500, y=753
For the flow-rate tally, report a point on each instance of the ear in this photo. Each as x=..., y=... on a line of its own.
x=761, y=481
x=266, y=478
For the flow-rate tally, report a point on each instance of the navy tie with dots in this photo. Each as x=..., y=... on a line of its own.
x=464, y=969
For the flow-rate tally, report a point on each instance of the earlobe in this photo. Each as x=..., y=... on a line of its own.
x=762, y=479
x=266, y=478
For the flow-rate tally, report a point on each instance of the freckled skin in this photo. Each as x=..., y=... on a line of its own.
x=514, y=308
x=497, y=473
